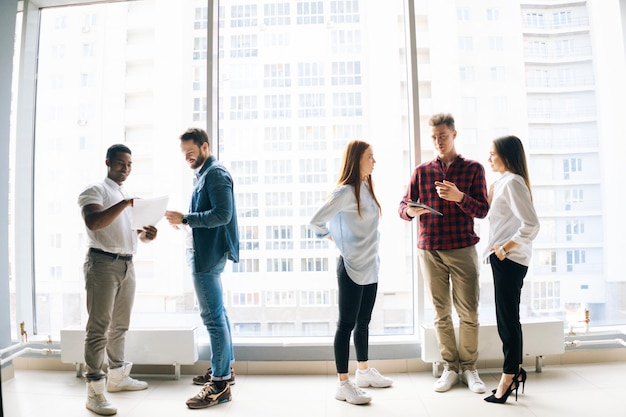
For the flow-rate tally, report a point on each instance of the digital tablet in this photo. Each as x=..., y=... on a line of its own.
x=420, y=205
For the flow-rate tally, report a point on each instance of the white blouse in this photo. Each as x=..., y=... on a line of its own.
x=512, y=216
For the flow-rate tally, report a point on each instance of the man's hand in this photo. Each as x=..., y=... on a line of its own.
x=148, y=233
x=448, y=191
x=175, y=218
x=416, y=211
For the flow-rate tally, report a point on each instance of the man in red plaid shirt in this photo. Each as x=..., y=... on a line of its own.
x=455, y=187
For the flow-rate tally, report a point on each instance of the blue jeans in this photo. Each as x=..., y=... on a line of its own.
x=209, y=292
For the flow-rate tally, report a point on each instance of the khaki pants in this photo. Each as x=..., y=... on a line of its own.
x=452, y=278
x=110, y=285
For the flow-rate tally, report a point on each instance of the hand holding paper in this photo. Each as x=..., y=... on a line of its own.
x=148, y=211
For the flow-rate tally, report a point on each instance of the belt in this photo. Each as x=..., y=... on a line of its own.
x=126, y=258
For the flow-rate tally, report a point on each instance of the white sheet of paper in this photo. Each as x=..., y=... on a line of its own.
x=148, y=211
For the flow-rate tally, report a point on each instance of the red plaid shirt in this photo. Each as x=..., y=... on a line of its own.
x=455, y=229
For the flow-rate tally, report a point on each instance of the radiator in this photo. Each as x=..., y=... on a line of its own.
x=540, y=338
x=154, y=346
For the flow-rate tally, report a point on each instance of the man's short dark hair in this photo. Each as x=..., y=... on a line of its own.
x=114, y=149
x=199, y=136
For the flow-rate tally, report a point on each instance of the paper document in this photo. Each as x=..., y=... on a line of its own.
x=420, y=205
x=148, y=211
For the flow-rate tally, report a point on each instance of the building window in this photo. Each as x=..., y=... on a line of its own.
x=285, y=298
x=279, y=171
x=277, y=75
x=243, y=108
x=279, y=237
x=346, y=11
x=247, y=204
x=278, y=204
x=246, y=265
x=201, y=18
x=310, y=12
x=346, y=41
x=276, y=14
x=347, y=104
x=249, y=237
x=315, y=298
x=346, y=73
x=574, y=258
x=278, y=138
x=573, y=197
x=546, y=295
x=243, y=46
x=246, y=299
x=199, y=48
x=571, y=165
x=574, y=227
x=243, y=16
x=312, y=105
x=312, y=138
x=309, y=240
x=314, y=264
x=277, y=106
x=280, y=265
x=493, y=15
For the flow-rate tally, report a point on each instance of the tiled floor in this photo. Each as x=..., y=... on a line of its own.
x=562, y=390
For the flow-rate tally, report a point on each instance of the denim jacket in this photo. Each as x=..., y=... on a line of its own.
x=213, y=217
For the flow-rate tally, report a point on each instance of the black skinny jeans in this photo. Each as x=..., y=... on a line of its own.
x=356, y=303
x=508, y=279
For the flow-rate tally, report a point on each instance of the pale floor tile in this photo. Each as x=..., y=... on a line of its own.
x=578, y=390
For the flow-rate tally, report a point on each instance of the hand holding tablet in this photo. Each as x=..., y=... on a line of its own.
x=424, y=206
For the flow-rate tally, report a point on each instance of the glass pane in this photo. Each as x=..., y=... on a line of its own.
x=512, y=69
x=295, y=85
x=297, y=81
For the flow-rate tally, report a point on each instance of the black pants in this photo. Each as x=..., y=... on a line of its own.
x=508, y=279
x=356, y=303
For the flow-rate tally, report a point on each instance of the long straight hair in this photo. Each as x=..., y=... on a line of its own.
x=511, y=151
x=351, y=171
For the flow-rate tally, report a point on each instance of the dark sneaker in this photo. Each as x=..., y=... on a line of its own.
x=203, y=379
x=209, y=396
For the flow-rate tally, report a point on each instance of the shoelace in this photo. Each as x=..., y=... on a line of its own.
x=356, y=388
x=206, y=390
x=474, y=376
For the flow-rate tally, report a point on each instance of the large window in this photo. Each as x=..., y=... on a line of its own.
x=282, y=87
x=285, y=115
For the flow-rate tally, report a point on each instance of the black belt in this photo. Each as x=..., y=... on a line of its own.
x=126, y=258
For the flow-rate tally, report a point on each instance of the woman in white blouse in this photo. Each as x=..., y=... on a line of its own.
x=513, y=224
x=350, y=218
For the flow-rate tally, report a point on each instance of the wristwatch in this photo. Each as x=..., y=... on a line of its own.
x=184, y=220
x=502, y=251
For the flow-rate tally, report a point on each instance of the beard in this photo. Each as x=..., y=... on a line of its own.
x=200, y=160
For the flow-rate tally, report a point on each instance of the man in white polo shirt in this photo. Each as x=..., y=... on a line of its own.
x=110, y=279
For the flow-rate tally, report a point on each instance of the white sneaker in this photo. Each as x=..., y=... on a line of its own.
x=473, y=381
x=119, y=380
x=447, y=380
x=96, y=401
x=348, y=391
x=372, y=378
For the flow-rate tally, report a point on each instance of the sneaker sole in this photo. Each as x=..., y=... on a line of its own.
x=374, y=385
x=102, y=411
x=199, y=406
x=126, y=389
x=361, y=402
x=202, y=383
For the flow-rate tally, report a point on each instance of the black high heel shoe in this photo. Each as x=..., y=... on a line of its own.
x=522, y=379
x=513, y=387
